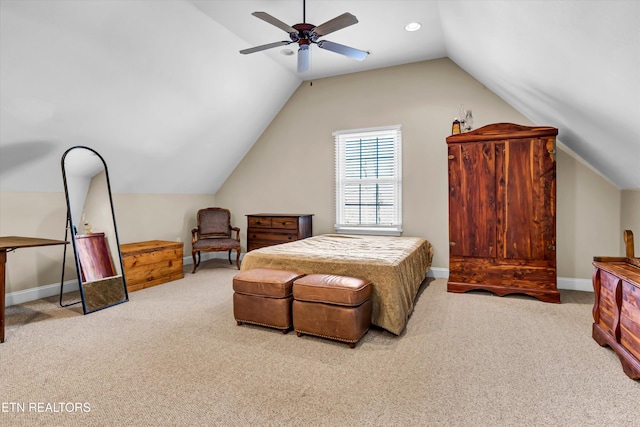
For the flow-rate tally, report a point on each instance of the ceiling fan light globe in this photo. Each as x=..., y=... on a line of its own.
x=303, y=58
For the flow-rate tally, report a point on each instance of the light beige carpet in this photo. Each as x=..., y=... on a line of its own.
x=173, y=355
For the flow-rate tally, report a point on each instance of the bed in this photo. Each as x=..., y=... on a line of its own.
x=396, y=266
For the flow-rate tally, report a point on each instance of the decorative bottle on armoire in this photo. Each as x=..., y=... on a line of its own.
x=502, y=211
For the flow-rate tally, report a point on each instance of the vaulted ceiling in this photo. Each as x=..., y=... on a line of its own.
x=160, y=90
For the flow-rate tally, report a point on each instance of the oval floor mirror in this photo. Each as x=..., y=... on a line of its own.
x=92, y=223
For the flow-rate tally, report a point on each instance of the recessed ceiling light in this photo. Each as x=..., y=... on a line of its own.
x=413, y=26
x=286, y=52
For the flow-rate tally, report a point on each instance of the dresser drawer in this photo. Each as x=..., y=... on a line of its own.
x=288, y=223
x=261, y=222
x=273, y=237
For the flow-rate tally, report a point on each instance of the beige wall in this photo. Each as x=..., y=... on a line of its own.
x=290, y=168
x=630, y=217
x=34, y=215
x=139, y=217
x=588, y=217
x=170, y=217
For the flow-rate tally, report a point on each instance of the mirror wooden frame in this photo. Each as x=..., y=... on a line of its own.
x=99, y=265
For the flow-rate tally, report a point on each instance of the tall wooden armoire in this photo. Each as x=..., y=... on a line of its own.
x=502, y=211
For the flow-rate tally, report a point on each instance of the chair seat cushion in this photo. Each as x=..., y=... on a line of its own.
x=332, y=289
x=265, y=282
x=222, y=244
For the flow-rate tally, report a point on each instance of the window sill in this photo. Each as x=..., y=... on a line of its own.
x=374, y=231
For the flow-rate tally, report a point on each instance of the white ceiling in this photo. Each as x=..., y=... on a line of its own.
x=380, y=31
x=160, y=90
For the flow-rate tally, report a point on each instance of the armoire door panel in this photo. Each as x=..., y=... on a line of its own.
x=546, y=199
x=472, y=227
x=518, y=227
x=529, y=223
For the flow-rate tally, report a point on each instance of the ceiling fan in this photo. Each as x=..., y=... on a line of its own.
x=306, y=34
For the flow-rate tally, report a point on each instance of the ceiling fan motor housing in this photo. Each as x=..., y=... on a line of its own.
x=305, y=34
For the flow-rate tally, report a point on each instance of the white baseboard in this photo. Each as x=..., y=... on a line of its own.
x=438, y=273
x=573, y=284
x=20, y=297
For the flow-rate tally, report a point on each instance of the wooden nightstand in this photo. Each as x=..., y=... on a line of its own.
x=272, y=229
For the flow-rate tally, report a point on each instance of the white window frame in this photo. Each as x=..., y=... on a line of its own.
x=342, y=224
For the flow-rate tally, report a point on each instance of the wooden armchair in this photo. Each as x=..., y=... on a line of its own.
x=213, y=234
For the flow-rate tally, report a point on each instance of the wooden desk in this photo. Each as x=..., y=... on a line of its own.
x=11, y=243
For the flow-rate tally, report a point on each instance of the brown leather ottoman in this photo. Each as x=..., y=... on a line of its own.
x=263, y=297
x=334, y=307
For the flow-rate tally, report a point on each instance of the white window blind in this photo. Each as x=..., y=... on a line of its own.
x=369, y=180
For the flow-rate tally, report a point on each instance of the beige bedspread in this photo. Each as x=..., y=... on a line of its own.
x=395, y=265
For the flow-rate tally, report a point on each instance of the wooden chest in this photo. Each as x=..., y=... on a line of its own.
x=151, y=263
x=272, y=229
x=616, y=309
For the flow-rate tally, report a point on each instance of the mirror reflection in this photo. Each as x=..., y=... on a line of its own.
x=91, y=221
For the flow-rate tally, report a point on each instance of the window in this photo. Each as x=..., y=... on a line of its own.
x=369, y=181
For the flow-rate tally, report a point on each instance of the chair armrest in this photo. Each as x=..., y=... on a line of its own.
x=193, y=235
x=237, y=230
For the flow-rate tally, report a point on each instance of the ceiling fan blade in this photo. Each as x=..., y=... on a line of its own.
x=264, y=47
x=335, y=24
x=343, y=50
x=303, y=58
x=275, y=21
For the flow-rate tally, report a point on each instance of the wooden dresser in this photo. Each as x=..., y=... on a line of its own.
x=267, y=229
x=616, y=310
x=151, y=263
x=502, y=202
